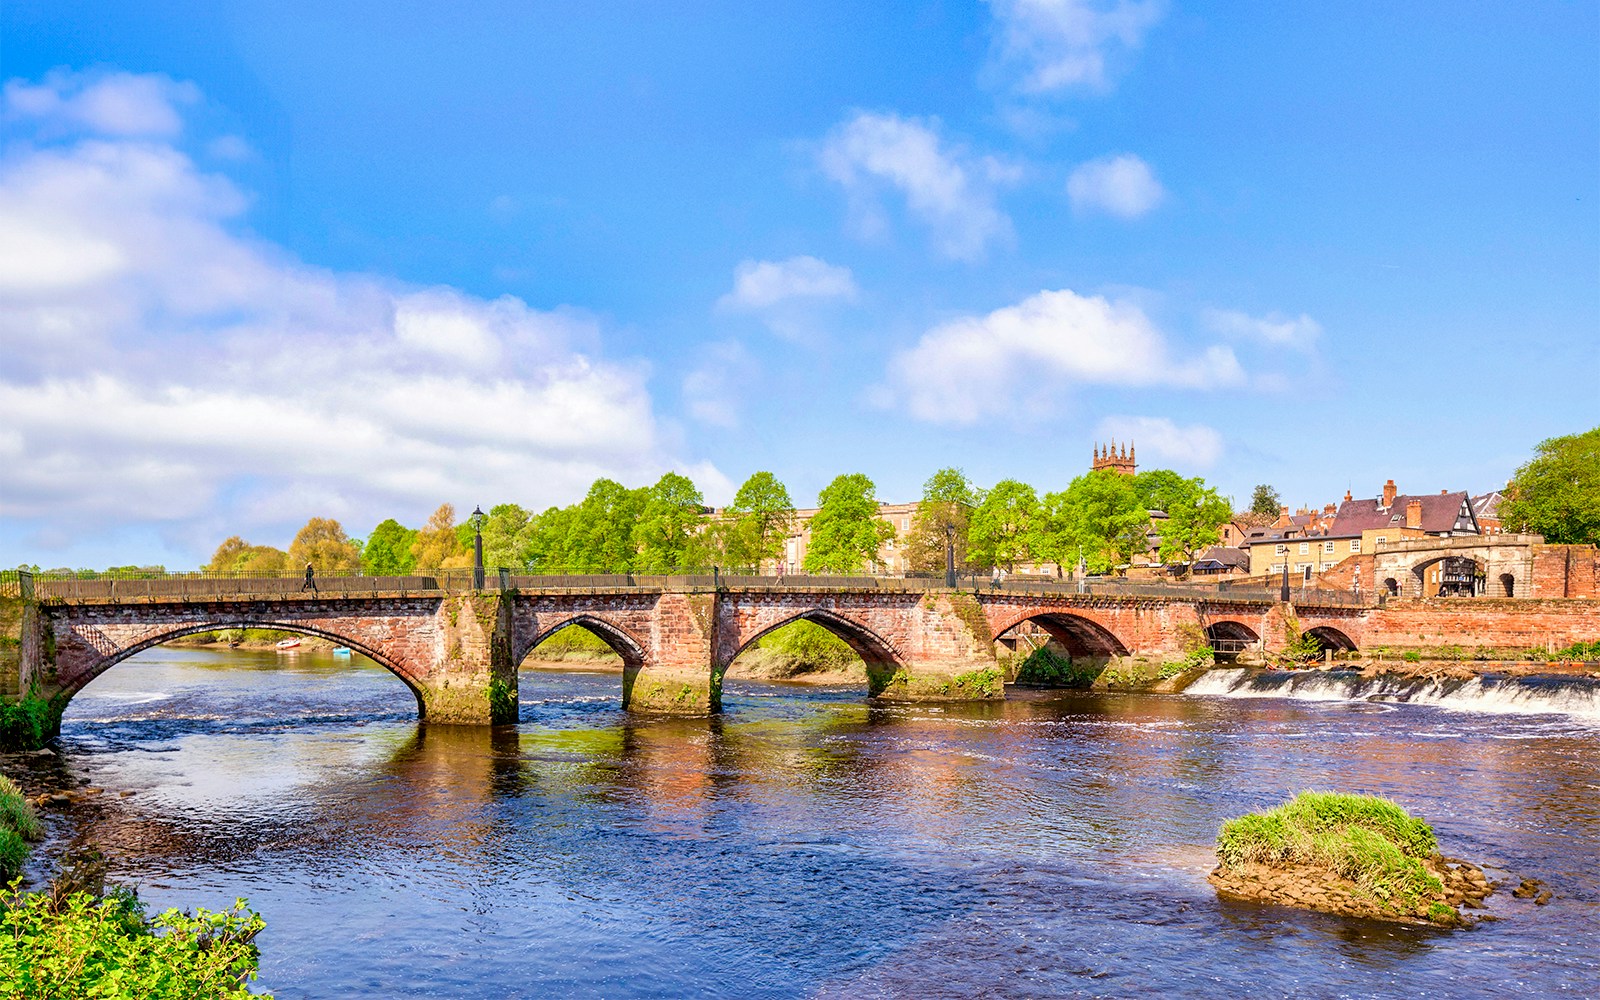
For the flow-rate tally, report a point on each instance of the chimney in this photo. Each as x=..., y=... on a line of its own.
x=1389, y=493
x=1329, y=509
x=1347, y=496
x=1283, y=511
x=1414, y=514
x=1443, y=492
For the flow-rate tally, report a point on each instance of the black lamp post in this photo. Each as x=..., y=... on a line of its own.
x=478, y=517
x=950, y=554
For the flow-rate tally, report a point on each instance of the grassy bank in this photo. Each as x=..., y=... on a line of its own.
x=19, y=828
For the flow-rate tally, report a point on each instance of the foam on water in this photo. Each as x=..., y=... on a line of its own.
x=1578, y=697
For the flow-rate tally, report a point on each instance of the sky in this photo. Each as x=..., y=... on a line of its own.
x=266, y=261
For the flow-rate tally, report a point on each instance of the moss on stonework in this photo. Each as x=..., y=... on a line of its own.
x=970, y=613
x=900, y=684
x=666, y=696
x=502, y=703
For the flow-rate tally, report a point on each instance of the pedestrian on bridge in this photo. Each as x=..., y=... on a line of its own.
x=311, y=583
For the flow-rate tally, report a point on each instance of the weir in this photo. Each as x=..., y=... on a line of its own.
x=1572, y=695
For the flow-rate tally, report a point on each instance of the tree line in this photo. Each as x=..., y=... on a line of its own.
x=1101, y=520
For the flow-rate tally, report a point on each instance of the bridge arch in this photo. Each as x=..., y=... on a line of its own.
x=110, y=659
x=1079, y=635
x=1332, y=638
x=621, y=641
x=1230, y=638
x=862, y=640
x=1454, y=575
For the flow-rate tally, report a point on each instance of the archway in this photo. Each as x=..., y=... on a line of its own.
x=1508, y=585
x=1332, y=638
x=247, y=658
x=582, y=644
x=1077, y=652
x=877, y=659
x=1448, y=576
x=1229, y=639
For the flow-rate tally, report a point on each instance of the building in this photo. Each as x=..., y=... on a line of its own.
x=1486, y=508
x=891, y=560
x=1110, y=460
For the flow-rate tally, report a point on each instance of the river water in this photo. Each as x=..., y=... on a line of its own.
x=803, y=843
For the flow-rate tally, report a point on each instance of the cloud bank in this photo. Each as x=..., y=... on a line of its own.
x=165, y=370
x=1123, y=186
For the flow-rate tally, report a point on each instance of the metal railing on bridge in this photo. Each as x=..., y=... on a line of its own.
x=201, y=585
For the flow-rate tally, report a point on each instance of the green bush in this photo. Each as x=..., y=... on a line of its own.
x=29, y=723
x=1044, y=667
x=1578, y=651
x=18, y=826
x=1367, y=839
x=85, y=946
x=809, y=644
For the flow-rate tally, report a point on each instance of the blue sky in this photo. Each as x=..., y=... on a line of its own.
x=268, y=261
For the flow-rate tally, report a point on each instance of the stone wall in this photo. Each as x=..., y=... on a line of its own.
x=1482, y=623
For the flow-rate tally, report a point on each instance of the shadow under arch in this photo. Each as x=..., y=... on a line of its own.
x=1230, y=638
x=618, y=639
x=1332, y=638
x=881, y=658
x=1079, y=636
x=354, y=645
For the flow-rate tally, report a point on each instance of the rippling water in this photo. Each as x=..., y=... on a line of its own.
x=803, y=843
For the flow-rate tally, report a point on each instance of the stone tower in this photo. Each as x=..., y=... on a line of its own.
x=1111, y=460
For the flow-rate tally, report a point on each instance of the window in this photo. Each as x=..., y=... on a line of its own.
x=1305, y=547
x=1279, y=550
x=1327, y=547
x=1276, y=568
x=905, y=524
x=1355, y=545
x=1381, y=539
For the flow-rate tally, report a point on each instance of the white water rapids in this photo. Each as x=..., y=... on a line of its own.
x=1578, y=697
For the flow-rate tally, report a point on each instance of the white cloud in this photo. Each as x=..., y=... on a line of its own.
x=1194, y=446
x=948, y=190
x=1274, y=328
x=1121, y=185
x=1016, y=357
x=116, y=104
x=716, y=389
x=163, y=370
x=1054, y=45
x=759, y=284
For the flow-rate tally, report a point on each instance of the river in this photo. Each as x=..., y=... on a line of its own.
x=803, y=843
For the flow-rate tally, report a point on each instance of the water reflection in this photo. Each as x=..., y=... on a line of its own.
x=804, y=843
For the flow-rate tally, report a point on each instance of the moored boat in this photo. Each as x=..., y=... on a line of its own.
x=283, y=644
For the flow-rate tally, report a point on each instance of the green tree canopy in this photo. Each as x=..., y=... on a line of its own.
x=947, y=500
x=665, y=535
x=436, y=544
x=323, y=544
x=756, y=524
x=1159, y=489
x=505, y=537
x=235, y=555
x=1194, y=514
x=1099, y=517
x=388, y=550
x=1264, y=500
x=846, y=532
x=1005, y=526
x=1557, y=493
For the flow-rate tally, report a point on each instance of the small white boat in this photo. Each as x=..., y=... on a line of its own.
x=341, y=651
x=283, y=644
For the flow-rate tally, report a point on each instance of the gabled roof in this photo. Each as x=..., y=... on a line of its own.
x=1487, y=505
x=1223, y=556
x=1442, y=513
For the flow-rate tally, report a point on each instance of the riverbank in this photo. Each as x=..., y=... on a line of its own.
x=251, y=638
x=755, y=665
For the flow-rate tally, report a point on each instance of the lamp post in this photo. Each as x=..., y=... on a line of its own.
x=478, y=517
x=950, y=554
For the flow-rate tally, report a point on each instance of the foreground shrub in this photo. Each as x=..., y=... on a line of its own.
x=1045, y=667
x=18, y=826
x=27, y=724
x=80, y=945
x=1366, y=839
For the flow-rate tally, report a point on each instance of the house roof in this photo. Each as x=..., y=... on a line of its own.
x=1487, y=505
x=1441, y=514
x=1223, y=556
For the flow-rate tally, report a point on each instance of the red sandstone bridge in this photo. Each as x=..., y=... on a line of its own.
x=458, y=647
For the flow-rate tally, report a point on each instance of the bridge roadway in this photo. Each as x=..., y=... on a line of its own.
x=458, y=648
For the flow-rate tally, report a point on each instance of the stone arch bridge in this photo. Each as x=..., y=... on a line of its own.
x=459, y=652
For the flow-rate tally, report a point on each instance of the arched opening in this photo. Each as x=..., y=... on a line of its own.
x=233, y=673
x=828, y=647
x=1391, y=586
x=1508, y=585
x=1449, y=576
x=1229, y=640
x=575, y=661
x=1073, y=652
x=1330, y=638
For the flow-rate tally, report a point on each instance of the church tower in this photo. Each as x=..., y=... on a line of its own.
x=1111, y=460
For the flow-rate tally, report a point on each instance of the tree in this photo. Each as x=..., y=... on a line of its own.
x=1099, y=518
x=228, y=555
x=947, y=502
x=436, y=543
x=1159, y=489
x=1265, y=501
x=504, y=536
x=388, y=550
x=235, y=555
x=846, y=531
x=323, y=544
x=547, y=540
x=673, y=515
x=1557, y=493
x=1005, y=526
x=756, y=524
x=1194, y=515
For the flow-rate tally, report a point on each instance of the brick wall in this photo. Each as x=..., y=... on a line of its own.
x=1485, y=623
x=1566, y=571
